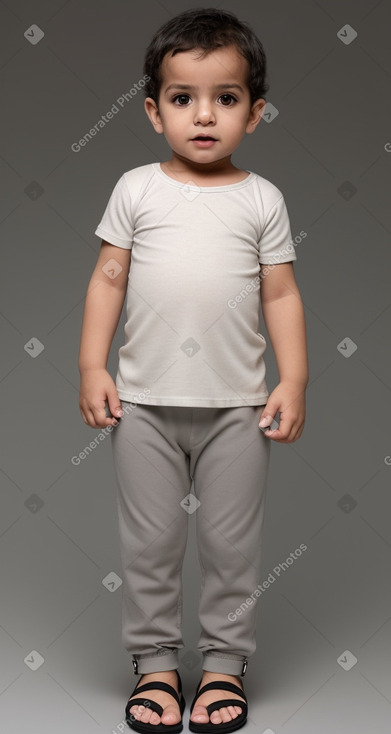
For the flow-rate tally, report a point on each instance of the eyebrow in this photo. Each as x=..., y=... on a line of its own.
x=191, y=87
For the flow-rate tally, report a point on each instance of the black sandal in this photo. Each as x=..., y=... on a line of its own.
x=147, y=728
x=225, y=726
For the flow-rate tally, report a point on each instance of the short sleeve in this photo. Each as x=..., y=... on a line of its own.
x=275, y=244
x=116, y=226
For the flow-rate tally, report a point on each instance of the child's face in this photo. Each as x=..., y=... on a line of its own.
x=210, y=104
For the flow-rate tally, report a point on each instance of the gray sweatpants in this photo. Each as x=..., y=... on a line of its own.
x=157, y=451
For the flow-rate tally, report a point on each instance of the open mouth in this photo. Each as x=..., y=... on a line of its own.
x=204, y=137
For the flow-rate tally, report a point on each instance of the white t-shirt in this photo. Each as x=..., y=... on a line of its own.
x=193, y=296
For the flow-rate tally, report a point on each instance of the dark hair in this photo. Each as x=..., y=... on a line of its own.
x=207, y=29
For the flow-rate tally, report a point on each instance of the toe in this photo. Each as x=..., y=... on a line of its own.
x=155, y=718
x=225, y=714
x=146, y=715
x=170, y=715
x=216, y=717
x=199, y=714
x=232, y=711
x=136, y=711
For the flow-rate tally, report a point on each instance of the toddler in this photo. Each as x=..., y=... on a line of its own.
x=198, y=245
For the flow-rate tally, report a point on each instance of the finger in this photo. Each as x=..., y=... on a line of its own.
x=90, y=418
x=101, y=419
x=283, y=435
x=278, y=434
x=282, y=428
x=275, y=434
x=114, y=404
x=266, y=418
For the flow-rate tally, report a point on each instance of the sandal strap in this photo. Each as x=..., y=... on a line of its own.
x=154, y=684
x=226, y=702
x=222, y=685
x=141, y=702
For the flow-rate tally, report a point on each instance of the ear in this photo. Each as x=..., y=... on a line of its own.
x=255, y=115
x=152, y=111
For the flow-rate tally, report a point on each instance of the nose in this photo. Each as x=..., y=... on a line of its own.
x=204, y=112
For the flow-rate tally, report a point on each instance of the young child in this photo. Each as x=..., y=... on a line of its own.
x=198, y=245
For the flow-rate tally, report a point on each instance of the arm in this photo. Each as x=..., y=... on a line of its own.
x=283, y=314
x=102, y=311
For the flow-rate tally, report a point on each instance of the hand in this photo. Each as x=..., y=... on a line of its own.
x=289, y=399
x=96, y=387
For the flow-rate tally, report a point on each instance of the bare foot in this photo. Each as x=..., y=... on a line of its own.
x=171, y=713
x=227, y=713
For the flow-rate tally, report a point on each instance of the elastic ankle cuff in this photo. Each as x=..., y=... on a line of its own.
x=225, y=664
x=155, y=662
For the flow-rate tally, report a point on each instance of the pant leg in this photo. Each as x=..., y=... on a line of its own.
x=229, y=463
x=152, y=472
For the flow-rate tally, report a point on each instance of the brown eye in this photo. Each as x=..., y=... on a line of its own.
x=181, y=97
x=227, y=97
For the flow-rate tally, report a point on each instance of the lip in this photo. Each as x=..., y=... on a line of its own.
x=207, y=142
x=203, y=135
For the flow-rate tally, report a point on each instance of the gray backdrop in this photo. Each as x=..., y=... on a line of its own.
x=323, y=637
